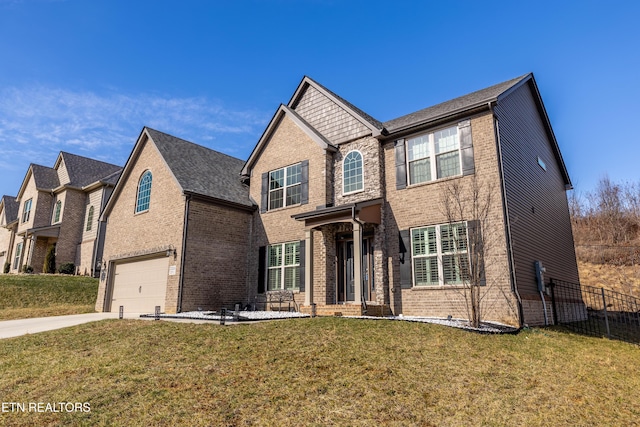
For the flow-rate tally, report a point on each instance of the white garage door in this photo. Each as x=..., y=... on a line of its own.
x=140, y=286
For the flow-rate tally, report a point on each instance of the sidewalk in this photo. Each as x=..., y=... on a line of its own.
x=18, y=327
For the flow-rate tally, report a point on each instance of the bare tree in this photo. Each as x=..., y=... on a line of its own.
x=468, y=201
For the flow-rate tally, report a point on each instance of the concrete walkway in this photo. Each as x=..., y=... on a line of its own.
x=18, y=327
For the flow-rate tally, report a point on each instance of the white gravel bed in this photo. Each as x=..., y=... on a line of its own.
x=247, y=316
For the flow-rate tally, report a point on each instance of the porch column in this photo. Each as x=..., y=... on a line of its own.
x=357, y=262
x=308, y=267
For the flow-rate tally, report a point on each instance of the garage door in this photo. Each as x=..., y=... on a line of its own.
x=140, y=286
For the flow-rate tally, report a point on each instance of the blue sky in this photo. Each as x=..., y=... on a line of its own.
x=85, y=76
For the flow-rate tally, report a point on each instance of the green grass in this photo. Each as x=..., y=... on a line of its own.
x=325, y=371
x=24, y=296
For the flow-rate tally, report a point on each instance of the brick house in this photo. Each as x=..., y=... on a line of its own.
x=179, y=226
x=350, y=209
x=8, y=227
x=60, y=206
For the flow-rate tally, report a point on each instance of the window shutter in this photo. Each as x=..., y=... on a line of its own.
x=401, y=165
x=404, y=238
x=265, y=192
x=304, y=182
x=262, y=264
x=466, y=148
x=302, y=264
x=476, y=252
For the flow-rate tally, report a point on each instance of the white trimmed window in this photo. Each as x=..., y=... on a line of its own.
x=57, y=212
x=283, y=263
x=16, y=260
x=26, y=210
x=144, y=192
x=352, y=177
x=89, y=219
x=285, y=187
x=440, y=254
x=434, y=155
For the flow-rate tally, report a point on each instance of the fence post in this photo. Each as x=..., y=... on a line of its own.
x=552, y=285
x=606, y=317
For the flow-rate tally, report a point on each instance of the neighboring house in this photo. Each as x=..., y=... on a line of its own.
x=8, y=227
x=350, y=208
x=179, y=222
x=61, y=206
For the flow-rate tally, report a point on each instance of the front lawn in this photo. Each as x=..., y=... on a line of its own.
x=25, y=295
x=323, y=371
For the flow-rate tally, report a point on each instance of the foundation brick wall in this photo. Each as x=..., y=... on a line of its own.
x=421, y=205
x=215, y=273
x=130, y=234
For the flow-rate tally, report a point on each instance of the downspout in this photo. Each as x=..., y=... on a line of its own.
x=184, y=247
x=505, y=208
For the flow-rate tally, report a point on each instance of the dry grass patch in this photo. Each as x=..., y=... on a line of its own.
x=23, y=296
x=620, y=278
x=325, y=371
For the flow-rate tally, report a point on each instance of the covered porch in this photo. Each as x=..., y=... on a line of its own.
x=352, y=285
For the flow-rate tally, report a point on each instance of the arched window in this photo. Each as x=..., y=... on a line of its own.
x=89, y=219
x=144, y=192
x=352, y=172
x=56, y=215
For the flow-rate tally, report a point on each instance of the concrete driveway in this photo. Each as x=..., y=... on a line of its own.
x=18, y=327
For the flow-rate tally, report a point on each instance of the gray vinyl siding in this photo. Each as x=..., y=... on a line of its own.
x=328, y=118
x=536, y=199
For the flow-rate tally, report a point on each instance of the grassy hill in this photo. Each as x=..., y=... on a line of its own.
x=23, y=295
x=323, y=371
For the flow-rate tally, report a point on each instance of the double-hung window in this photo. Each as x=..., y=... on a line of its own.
x=26, y=210
x=285, y=187
x=434, y=155
x=89, y=219
x=283, y=263
x=440, y=254
x=16, y=260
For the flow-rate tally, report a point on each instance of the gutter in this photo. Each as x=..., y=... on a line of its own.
x=505, y=208
x=184, y=247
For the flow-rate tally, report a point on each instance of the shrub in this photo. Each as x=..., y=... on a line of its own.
x=27, y=269
x=7, y=267
x=50, y=260
x=67, y=268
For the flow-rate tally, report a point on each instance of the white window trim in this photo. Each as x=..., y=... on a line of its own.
x=55, y=207
x=135, y=208
x=26, y=214
x=432, y=157
x=439, y=256
x=281, y=267
x=346, y=193
x=284, y=187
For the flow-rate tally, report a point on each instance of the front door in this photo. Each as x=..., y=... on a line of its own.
x=346, y=285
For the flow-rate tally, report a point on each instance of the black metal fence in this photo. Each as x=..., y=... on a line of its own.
x=596, y=311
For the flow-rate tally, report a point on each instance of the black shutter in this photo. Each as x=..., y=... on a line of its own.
x=265, y=192
x=404, y=240
x=262, y=264
x=401, y=165
x=302, y=264
x=304, y=182
x=466, y=148
x=476, y=253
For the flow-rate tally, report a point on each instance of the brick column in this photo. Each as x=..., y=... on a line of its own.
x=357, y=262
x=308, y=267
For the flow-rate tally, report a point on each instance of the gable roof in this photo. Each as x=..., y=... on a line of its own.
x=454, y=106
x=281, y=112
x=375, y=125
x=200, y=170
x=83, y=170
x=45, y=178
x=11, y=207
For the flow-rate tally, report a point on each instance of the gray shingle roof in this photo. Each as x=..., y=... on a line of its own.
x=453, y=106
x=84, y=171
x=201, y=170
x=46, y=178
x=10, y=208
